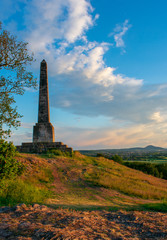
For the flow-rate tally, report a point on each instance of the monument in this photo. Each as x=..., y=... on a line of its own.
x=43, y=131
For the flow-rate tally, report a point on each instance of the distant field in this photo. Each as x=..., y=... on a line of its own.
x=155, y=161
x=136, y=156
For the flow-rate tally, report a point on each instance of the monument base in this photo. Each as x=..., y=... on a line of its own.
x=43, y=132
x=40, y=147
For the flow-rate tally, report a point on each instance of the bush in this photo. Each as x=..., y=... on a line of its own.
x=57, y=152
x=100, y=155
x=148, y=168
x=162, y=168
x=9, y=167
x=117, y=158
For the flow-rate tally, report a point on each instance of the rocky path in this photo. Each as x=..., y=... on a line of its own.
x=40, y=222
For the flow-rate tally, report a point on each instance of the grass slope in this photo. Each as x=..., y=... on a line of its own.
x=82, y=182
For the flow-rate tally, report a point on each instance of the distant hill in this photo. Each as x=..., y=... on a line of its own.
x=147, y=149
x=153, y=148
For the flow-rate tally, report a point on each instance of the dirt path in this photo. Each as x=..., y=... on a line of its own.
x=40, y=222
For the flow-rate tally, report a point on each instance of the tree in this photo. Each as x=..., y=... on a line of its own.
x=14, y=78
x=9, y=166
x=117, y=158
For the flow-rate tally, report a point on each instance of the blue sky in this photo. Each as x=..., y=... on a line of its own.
x=107, y=69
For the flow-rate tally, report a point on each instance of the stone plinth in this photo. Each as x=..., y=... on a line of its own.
x=41, y=147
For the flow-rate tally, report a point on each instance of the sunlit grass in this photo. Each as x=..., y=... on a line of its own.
x=108, y=174
x=86, y=181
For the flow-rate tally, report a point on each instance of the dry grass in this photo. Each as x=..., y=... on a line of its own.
x=41, y=222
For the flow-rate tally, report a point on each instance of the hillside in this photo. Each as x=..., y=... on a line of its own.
x=84, y=182
x=84, y=197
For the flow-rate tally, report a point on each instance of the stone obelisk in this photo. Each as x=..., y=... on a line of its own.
x=43, y=131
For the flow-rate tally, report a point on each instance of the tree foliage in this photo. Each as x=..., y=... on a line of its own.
x=157, y=170
x=9, y=166
x=14, y=78
x=117, y=158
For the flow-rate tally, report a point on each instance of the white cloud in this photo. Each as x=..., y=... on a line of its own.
x=119, y=32
x=53, y=28
x=82, y=64
x=79, y=19
x=53, y=20
x=157, y=117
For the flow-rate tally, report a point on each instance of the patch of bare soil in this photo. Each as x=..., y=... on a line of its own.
x=40, y=222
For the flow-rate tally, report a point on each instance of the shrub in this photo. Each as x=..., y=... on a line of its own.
x=117, y=158
x=9, y=167
x=57, y=152
x=100, y=155
x=152, y=169
x=162, y=168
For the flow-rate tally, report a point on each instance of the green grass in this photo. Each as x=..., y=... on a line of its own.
x=18, y=191
x=45, y=175
x=154, y=161
x=84, y=207
x=157, y=207
x=152, y=207
x=111, y=175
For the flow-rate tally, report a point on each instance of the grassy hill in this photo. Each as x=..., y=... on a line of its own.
x=82, y=182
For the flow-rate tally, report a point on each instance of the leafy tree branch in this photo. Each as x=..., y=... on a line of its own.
x=14, y=78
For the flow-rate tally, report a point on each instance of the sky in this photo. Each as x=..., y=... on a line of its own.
x=107, y=68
